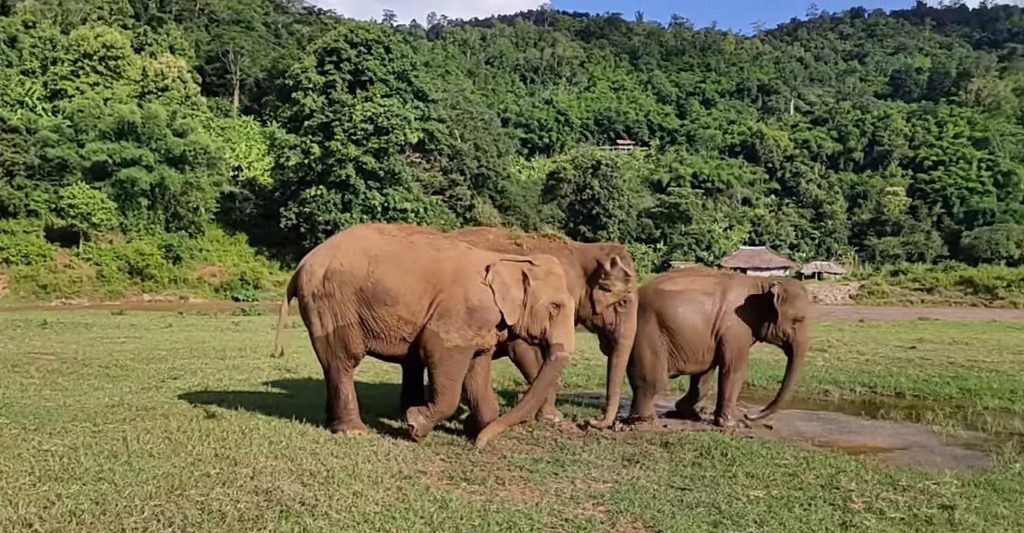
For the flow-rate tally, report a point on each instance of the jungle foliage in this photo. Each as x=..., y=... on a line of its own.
x=891, y=138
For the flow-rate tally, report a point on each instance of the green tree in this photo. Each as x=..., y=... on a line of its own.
x=86, y=211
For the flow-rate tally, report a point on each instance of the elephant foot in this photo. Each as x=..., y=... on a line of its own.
x=419, y=424
x=725, y=421
x=550, y=414
x=600, y=423
x=350, y=429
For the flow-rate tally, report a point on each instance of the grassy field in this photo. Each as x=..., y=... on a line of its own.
x=180, y=422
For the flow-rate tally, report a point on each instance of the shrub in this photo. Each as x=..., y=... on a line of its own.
x=25, y=250
x=1001, y=244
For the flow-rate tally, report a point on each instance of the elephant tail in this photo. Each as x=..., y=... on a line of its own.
x=282, y=316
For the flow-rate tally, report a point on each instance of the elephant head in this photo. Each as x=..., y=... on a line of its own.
x=610, y=312
x=536, y=306
x=785, y=325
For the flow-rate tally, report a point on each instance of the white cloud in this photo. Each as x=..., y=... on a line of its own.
x=418, y=9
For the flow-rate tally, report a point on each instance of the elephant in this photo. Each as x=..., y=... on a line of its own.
x=602, y=281
x=692, y=320
x=400, y=291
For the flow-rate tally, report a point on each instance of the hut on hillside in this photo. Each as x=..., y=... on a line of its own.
x=757, y=261
x=822, y=270
x=621, y=145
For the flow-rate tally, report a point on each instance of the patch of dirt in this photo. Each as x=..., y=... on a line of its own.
x=69, y=302
x=892, y=443
x=958, y=314
x=834, y=293
x=64, y=258
x=142, y=303
x=210, y=274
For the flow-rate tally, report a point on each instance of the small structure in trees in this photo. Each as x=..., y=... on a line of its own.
x=822, y=270
x=679, y=265
x=621, y=145
x=757, y=261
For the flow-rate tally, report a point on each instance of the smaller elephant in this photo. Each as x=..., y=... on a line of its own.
x=601, y=276
x=396, y=292
x=691, y=321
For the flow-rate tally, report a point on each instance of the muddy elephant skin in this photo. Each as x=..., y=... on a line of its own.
x=694, y=320
x=602, y=281
x=396, y=292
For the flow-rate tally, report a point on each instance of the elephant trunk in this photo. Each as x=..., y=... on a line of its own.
x=795, y=354
x=616, y=369
x=534, y=398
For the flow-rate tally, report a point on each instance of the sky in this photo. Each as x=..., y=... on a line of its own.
x=738, y=15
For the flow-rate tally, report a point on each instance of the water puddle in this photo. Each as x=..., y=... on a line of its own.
x=822, y=425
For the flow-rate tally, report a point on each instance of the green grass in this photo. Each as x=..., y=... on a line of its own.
x=176, y=422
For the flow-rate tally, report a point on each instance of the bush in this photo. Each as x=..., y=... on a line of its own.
x=1001, y=244
x=945, y=284
x=25, y=249
x=215, y=265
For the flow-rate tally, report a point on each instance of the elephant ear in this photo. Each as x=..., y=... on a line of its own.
x=509, y=281
x=614, y=272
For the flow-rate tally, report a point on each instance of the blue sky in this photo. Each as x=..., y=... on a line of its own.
x=739, y=15
x=733, y=14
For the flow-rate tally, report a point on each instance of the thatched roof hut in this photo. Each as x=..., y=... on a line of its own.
x=757, y=261
x=822, y=270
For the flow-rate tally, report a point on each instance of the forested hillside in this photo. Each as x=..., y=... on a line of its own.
x=155, y=144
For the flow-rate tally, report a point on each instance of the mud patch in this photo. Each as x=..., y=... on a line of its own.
x=155, y=304
x=892, y=443
x=834, y=293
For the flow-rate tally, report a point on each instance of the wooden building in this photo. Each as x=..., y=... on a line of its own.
x=757, y=261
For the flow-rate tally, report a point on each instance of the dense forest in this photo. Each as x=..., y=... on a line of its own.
x=157, y=143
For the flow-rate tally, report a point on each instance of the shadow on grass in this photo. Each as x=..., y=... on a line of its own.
x=303, y=400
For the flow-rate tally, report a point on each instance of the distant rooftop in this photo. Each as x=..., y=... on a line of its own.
x=755, y=257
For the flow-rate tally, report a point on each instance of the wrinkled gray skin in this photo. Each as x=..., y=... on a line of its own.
x=399, y=292
x=694, y=320
x=601, y=279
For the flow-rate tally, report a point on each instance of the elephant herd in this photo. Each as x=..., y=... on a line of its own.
x=450, y=303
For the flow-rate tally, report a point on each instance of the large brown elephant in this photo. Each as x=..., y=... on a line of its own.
x=396, y=292
x=693, y=320
x=602, y=282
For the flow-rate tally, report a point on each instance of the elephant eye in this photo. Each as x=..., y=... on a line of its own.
x=556, y=307
x=621, y=304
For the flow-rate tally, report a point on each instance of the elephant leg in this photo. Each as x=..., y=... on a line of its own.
x=446, y=370
x=339, y=364
x=528, y=360
x=483, y=402
x=413, y=391
x=732, y=374
x=686, y=406
x=647, y=372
